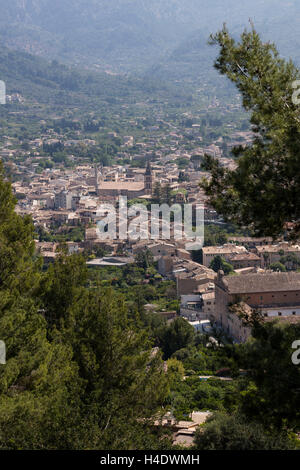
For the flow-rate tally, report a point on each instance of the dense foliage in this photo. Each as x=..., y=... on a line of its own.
x=263, y=191
x=79, y=372
x=85, y=363
x=223, y=432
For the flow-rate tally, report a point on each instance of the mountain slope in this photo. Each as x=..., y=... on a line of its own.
x=134, y=33
x=50, y=82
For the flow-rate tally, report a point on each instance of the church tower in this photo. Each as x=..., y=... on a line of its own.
x=98, y=178
x=148, y=179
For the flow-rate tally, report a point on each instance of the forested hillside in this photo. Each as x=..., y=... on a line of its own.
x=52, y=82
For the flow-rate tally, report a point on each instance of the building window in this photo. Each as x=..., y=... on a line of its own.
x=279, y=314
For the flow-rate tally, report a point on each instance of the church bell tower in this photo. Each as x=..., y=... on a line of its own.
x=148, y=179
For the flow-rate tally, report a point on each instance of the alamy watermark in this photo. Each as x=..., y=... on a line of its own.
x=296, y=354
x=2, y=353
x=2, y=92
x=296, y=94
x=160, y=222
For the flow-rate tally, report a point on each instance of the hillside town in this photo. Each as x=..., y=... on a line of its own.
x=149, y=230
x=263, y=278
x=61, y=200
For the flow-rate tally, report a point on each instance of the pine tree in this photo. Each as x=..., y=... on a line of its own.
x=263, y=192
x=37, y=381
x=79, y=374
x=125, y=383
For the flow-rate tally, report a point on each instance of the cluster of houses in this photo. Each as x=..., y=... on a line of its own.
x=71, y=198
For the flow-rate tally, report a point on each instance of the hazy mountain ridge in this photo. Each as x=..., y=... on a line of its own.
x=47, y=82
x=129, y=33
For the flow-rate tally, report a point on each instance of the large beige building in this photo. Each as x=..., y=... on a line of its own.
x=275, y=295
x=270, y=254
x=130, y=189
x=225, y=251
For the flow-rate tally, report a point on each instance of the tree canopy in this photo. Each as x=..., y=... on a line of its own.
x=263, y=192
x=224, y=432
x=80, y=373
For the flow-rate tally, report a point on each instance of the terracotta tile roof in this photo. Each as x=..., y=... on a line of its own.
x=121, y=185
x=245, y=256
x=268, y=282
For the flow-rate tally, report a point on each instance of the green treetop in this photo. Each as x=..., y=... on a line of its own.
x=263, y=192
